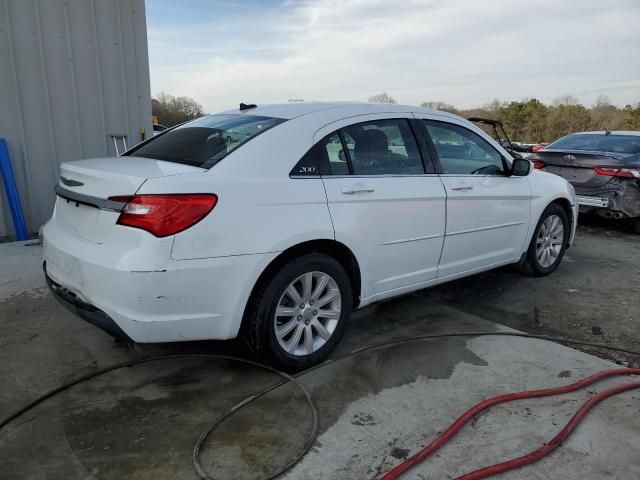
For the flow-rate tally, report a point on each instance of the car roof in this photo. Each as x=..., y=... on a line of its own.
x=615, y=132
x=297, y=109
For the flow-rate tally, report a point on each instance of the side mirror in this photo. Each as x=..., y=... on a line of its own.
x=520, y=167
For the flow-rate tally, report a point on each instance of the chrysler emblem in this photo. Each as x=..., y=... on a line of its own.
x=69, y=182
x=569, y=158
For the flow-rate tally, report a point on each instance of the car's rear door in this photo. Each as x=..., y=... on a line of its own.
x=488, y=211
x=382, y=203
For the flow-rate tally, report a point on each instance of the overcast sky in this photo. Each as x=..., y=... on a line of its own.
x=463, y=52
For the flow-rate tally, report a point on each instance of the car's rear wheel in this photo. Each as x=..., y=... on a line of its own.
x=549, y=242
x=297, y=317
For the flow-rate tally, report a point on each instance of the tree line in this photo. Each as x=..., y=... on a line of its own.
x=527, y=121
x=170, y=110
x=531, y=121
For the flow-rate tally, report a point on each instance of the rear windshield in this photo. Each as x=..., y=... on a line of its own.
x=205, y=141
x=598, y=143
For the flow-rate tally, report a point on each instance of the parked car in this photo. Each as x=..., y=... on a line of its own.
x=499, y=134
x=538, y=147
x=521, y=147
x=274, y=222
x=604, y=168
x=157, y=128
x=517, y=147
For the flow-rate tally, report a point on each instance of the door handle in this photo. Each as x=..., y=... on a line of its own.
x=461, y=186
x=357, y=188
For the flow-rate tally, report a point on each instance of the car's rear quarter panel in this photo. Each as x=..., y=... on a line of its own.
x=260, y=208
x=261, y=211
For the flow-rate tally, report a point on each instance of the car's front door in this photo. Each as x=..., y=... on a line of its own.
x=383, y=204
x=488, y=210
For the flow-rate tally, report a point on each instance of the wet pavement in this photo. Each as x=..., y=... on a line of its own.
x=375, y=408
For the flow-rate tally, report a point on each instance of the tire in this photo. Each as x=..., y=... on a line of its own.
x=535, y=266
x=260, y=322
x=636, y=225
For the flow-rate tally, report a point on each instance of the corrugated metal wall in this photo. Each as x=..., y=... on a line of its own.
x=72, y=72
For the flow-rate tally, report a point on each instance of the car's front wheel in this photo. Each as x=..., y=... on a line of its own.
x=297, y=317
x=549, y=242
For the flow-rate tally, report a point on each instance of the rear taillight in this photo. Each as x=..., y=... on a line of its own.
x=538, y=164
x=617, y=172
x=164, y=215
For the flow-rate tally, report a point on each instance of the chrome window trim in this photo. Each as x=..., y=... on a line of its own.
x=386, y=175
x=326, y=177
x=471, y=175
x=101, y=203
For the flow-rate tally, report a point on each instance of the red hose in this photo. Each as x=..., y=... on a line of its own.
x=555, y=442
x=444, y=437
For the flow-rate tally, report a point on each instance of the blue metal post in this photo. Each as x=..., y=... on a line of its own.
x=12, y=192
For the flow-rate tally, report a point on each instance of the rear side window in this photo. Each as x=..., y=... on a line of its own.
x=307, y=166
x=463, y=152
x=599, y=143
x=379, y=147
x=206, y=140
x=333, y=154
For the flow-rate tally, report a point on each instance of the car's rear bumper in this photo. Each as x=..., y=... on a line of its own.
x=621, y=197
x=134, y=288
x=586, y=201
x=84, y=310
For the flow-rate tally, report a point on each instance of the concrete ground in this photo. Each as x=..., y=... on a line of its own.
x=375, y=408
x=594, y=295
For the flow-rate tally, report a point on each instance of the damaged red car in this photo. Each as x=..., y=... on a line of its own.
x=604, y=169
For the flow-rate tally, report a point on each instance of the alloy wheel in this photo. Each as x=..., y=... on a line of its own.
x=549, y=241
x=308, y=313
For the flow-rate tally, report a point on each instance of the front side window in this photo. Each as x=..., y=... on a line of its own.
x=205, y=141
x=462, y=151
x=382, y=147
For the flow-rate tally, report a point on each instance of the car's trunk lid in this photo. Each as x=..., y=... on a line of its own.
x=85, y=185
x=577, y=166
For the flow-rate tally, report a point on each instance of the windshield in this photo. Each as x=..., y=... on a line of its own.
x=598, y=143
x=205, y=141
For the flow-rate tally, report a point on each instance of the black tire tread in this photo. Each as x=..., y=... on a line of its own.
x=530, y=264
x=255, y=331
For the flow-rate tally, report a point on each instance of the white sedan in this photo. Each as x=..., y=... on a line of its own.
x=274, y=222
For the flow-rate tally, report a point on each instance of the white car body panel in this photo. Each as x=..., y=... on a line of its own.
x=104, y=177
x=404, y=249
x=152, y=297
x=487, y=221
x=546, y=188
x=409, y=233
x=412, y=234
x=487, y=215
x=255, y=191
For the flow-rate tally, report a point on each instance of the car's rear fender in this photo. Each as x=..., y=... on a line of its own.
x=253, y=214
